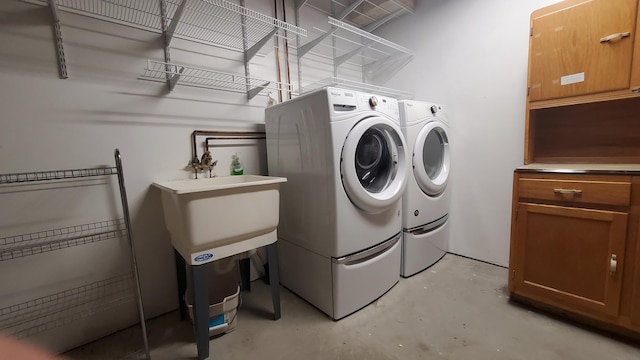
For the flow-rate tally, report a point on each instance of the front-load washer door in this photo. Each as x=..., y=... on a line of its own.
x=374, y=164
x=431, y=159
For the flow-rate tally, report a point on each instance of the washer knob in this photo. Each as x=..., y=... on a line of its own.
x=373, y=101
x=434, y=109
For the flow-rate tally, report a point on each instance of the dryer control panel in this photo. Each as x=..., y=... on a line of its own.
x=414, y=111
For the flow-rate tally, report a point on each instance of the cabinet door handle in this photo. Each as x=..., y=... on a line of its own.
x=613, y=263
x=615, y=37
x=567, y=191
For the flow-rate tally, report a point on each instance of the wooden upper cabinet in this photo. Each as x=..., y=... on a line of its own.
x=569, y=53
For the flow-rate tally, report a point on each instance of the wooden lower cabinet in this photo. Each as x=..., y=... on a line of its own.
x=574, y=247
x=571, y=256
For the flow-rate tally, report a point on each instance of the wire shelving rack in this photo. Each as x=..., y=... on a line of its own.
x=31, y=317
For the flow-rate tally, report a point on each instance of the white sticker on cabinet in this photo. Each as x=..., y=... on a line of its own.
x=572, y=79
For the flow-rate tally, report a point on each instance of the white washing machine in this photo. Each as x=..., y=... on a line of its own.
x=426, y=201
x=347, y=166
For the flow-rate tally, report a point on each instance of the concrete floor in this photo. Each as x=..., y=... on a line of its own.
x=457, y=309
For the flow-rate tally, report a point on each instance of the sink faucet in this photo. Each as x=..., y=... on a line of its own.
x=205, y=163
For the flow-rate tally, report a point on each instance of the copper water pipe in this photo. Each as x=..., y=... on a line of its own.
x=275, y=13
x=286, y=52
x=222, y=135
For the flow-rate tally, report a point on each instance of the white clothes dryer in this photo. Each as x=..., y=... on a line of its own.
x=346, y=162
x=426, y=201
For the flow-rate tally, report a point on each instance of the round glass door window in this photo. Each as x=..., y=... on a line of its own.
x=433, y=154
x=374, y=164
x=431, y=162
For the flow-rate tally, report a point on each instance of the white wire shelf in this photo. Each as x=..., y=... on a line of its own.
x=59, y=309
x=18, y=246
x=346, y=43
x=358, y=86
x=220, y=22
x=213, y=22
x=211, y=79
x=362, y=13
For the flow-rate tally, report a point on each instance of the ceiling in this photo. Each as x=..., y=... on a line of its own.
x=365, y=14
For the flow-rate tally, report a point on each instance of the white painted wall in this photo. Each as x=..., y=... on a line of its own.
x=472, y=56
x=47, y=123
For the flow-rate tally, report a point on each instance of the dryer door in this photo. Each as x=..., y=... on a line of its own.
x=374, y=164
x=431, y=159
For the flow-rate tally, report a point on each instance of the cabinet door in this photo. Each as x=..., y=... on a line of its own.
x=635, y=297
x=568, y=55
x=570, y=257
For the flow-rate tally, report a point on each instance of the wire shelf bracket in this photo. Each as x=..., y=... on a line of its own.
x=174, y=22
x=343, y=58
x=387, y=67
x=253, y=50
x=57, y=31
x=205, y=78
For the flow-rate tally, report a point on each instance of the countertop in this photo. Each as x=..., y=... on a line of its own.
x=617, y=169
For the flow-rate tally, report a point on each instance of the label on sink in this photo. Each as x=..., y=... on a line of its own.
x=203, y=257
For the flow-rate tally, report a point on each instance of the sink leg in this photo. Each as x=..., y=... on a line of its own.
x=200, y=295
x=274, y=278
x=181, y=274
x=245, y=274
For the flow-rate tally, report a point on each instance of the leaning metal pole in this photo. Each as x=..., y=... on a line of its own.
x=127, y=219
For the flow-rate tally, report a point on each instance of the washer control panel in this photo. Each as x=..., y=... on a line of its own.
x=342, y=100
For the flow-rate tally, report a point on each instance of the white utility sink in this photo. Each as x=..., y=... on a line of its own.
x=213, y=218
